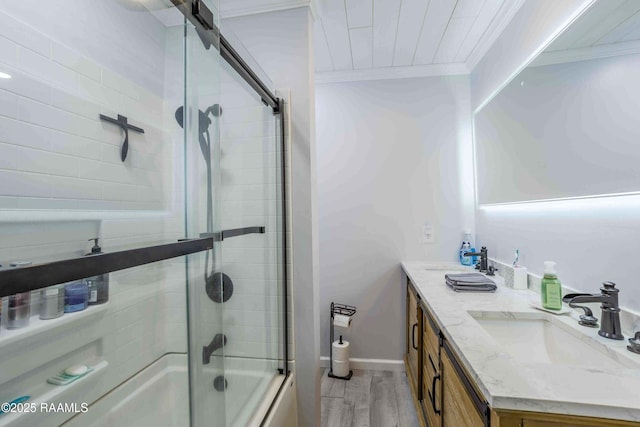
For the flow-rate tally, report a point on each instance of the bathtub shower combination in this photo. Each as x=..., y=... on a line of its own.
x=143, y=218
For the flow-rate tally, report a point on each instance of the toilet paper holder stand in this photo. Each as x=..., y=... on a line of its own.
x=346, y=310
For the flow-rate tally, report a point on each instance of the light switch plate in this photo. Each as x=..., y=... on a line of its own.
x=428, y=234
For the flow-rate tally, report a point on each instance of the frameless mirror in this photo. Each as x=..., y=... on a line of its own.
x=568, y=125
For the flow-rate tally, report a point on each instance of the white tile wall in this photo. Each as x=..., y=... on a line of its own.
x=49, y=127
x=250, y=196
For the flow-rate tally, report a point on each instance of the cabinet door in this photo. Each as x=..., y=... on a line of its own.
x=507, y=418
x=461, y=405
x=547, y=420
x=431, y=376
x=414, y=341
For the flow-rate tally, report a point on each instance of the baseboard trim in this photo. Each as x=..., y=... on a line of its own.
x=371, y=364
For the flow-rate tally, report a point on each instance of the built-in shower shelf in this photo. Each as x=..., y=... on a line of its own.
x=72, y=393
x=46, y=215
x=38, y=328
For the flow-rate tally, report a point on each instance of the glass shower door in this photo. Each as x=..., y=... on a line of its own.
x=250, y=197
x=200, y=116
x=233, y=193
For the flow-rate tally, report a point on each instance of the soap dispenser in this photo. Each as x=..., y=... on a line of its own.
x=98, y=285
x=550, y=287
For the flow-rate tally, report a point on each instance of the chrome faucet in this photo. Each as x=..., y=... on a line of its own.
x=610, y=323
x=483, y=264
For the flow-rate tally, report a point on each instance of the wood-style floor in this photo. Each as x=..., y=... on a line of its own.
x=369, y=399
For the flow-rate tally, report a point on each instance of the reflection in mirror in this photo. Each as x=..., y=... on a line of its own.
x=567, y=125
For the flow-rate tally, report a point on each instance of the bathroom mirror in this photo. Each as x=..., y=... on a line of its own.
x=568, y=125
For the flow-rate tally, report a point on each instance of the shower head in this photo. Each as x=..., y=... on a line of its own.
x=203, y=126
x=203, y=118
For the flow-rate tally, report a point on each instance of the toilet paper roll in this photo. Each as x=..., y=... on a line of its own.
x=340, y=351
x=342, y=320
x=340, y=368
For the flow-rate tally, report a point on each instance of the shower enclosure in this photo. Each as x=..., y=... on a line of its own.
x=145, y=125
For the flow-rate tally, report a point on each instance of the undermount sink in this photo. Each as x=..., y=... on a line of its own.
x=542, y=338
x=450, y=267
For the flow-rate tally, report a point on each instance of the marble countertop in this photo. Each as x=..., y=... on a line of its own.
x=509, y=383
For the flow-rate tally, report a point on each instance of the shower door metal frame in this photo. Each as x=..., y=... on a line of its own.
x=197, y=13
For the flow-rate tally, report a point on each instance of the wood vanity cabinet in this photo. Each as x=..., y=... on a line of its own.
x=504, y=418
x=462, y=404
x=413, y=352
x=444, y=393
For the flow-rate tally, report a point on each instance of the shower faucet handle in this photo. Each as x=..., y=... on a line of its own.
x=219, y=341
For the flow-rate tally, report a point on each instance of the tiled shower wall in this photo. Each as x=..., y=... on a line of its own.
x=250, y=197
x=55, y=155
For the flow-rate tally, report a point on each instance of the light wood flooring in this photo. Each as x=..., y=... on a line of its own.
x=369, y=399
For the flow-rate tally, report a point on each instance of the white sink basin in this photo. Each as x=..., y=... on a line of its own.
x=450, y=267
x=542, y=338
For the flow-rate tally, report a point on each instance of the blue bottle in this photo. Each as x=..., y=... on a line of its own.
x=466, y=247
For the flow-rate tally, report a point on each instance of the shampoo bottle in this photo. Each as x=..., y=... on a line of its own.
x=551, y=289
x=98, y=286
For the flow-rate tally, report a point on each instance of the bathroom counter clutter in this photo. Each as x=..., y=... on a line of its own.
x=507, y=348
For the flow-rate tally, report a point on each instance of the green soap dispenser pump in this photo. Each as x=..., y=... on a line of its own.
x=98, y=285
x=550, y=287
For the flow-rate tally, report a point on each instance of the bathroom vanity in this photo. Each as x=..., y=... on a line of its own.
x=490, y=359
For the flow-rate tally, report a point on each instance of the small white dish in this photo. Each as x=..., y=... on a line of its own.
x=564, y=310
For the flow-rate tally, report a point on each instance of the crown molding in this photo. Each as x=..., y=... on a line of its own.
x=386, y=73
x=498, y=24
x=236, y=8
x=587, y=53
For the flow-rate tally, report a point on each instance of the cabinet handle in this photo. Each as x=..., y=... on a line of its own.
x=431, y=361
x=433, y=396
x=413, y=336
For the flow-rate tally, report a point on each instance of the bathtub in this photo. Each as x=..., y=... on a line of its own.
x=158, y=396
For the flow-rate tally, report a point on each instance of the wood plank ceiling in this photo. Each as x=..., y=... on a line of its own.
x=610, y=22
x=608, y=28
x=361, y=35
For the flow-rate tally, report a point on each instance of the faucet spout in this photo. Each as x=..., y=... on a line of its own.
x=583, y=299
x=610, y=324
x=484, y=259
x=219, y=341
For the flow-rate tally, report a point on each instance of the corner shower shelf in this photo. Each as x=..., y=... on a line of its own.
x=54, y=394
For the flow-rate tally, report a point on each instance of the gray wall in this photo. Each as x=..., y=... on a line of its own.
x=590, y=239
x=392, y=154
x=282, y=43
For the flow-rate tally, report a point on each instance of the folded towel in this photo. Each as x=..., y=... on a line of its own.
x=470, y=282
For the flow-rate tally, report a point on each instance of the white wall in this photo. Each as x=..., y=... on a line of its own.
x=590, y=239
x=282, y=43
x=390, y=155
